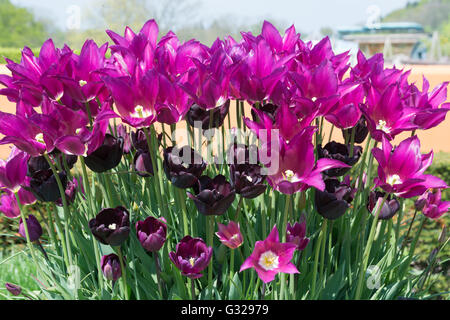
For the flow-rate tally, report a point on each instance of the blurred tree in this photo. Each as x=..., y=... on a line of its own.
x=19, y=28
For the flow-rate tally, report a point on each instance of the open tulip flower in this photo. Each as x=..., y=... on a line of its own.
x=183, y=166
x=111, y=226
x=270, y=257
x=332, y=202
x=401, y=169
x=431, y=204
x=230, y=235
x=213, y=196
x=191, y=256
x=297, y=174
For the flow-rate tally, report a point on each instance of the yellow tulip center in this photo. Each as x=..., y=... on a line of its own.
x=382, y=125
x=112, y=226
x=393, y=179
x=268, y=261
x=192, y=261
x=39, y=138
x=82, y=83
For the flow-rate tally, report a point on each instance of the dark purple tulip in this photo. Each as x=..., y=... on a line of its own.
x=111, y=226
x=122, y=132
x=247, y=180
x=297, y=234
x=111, y=266
x=44, y=186
x=142, y=163
x=269, y=109
x=151, y=233
x=361, y=131
x=341, y=152
x=390, y=206
x=242, y=154
x=14, y=289
x=34, y=228
x=183, y=166
x=40, y=163
x=197, y=113
x=70, y=192
x=213, y=196
x=138, y=140
x=191, y=256
x=334, y=200
x=107, y=156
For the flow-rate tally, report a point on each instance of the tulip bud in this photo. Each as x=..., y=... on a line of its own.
x=151, y=233
x=33, y=226
x=361, y=131
x=390, y=206
x=14, y=289
x=297, y=234
x=111, y=267
x=230, y=235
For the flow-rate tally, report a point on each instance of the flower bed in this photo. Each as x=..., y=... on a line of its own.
x=250, y=206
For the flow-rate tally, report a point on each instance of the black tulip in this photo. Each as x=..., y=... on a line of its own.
x=213, y=196
x=111, y=226
x=269, y=109
x=183, y=166
x=361, y=131
x=341, y=152
x=142, y=163
x=247, y=180
x=107, y=156
x=334, y=200
x=44, y=186
x=197, y=113
x=390, y=206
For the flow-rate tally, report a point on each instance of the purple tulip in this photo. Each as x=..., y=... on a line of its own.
x=34, y=228
x=111, y=268
x=70, y=192
x=183, y=166
x=270, y=257
x=390, y=206
x=14, y=289
x=297, y=174
x=431, y=205
x=8, y=201
x=213, y=196
x=401, y=169
x=296, y=234
x=191, y=256
x=385, y=113
x=152, y=233
x=14, y=170
x=346, y=113
x=122, y=132
x=230, y=235
x=341, y=152
x=111, y=226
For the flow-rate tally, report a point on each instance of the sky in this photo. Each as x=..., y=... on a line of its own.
x=307, y=15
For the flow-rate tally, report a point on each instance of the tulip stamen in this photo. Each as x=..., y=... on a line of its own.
x=382, y=125
x=112, y=226
x=394, y=179
x=39, y=138
x=268, y=260
x=82, y=83
x=139, y=112
x=288, y=175
x=192, y=261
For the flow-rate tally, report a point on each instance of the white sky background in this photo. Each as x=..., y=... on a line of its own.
x=307, y=15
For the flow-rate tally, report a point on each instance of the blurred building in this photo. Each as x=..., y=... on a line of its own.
x=394, y=39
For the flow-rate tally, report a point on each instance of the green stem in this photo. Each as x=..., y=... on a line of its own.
x=283, y=239
x=316, y=257
x=124, y=273
x=366, y=254
x=238, y=209
x=209, y=235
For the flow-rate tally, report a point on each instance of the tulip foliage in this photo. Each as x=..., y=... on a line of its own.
x=277, y=211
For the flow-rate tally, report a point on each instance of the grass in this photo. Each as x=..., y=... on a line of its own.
x=16, y=268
